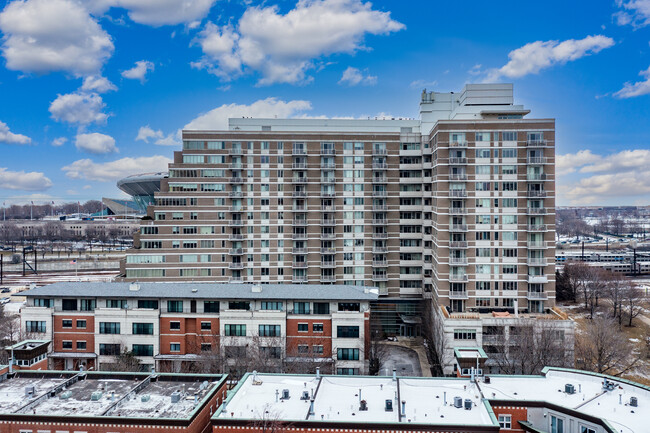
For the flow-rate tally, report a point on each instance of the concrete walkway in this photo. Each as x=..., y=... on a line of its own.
x=408, y=356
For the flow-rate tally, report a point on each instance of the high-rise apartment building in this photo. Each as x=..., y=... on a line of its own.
x=456, y=206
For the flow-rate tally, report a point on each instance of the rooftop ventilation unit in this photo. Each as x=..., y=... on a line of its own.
x=389, y=406
x=305, y=395
x=363, y=405
x=145, y=398
x=176, y=396
x=468, y=404
x=569, y=388
x=65, y=395
x=96, y=396
x=30, y=391
x=634, y=402
x=285, y=394
x=458, y=402
x=134, y=287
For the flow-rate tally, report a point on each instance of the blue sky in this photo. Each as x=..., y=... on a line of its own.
x=93, y=90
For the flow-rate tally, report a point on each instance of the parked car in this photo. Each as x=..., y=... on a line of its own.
x=5, y=290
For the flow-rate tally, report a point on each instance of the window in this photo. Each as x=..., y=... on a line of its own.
x=464, y=334
x=271, y=305
x=347, y=331
x=317, y=327
x=347, y=354
x=239, y=305
x=557, y=424
x=174, y=326
x=585, y=429
x=40, y=302
x=301, y=308
x=235, y=330
x=269, y=330
x=347, y=371
x=349, y=306
x=143, y=328
x=175, y=306
x=109, y=349
x=303, y=327
x=321, y=308
x=109, y=327
x=271, y=352
x=69, y=305
x=66, y=323
x=148, y=304
x=206, y=347
x=67, y=345
x=303, y=348
x=211, y=307
x=143, y=349
x=81, y=345
x=81, y=324
x=116, y=303
x=174, y=347
x=505, y=421
x=206, y=326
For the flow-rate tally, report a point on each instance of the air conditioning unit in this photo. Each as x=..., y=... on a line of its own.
x=569, y=388
x=458, y=402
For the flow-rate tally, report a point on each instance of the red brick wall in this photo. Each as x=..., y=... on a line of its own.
x=516, y=412
x=309, y=338
x=190, y=336
x=74, y=334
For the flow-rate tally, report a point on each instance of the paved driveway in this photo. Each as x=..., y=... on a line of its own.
x=403, y=359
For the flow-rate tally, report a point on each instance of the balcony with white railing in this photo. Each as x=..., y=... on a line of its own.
x=236, y=251
x=457, y=160
x=379, y=193
x=328, y=278
x=299, y=222
x=379, y=207
x=299, y=265
x=376, y=235
x=236, y=265
x=536, y=143
x=299, y=236
x=458, y=261
x=327, y=165
x=299, y=179
x=537, y=160
x=236, y=151
x=327, y=236
x=458, y=294
x=379, y=263
x=236, y=194
x=299, y=166
x=458, y=228
x=299, y=279
x=536, y=227
x=379, y=222
x=537, y=295
x=236, y=180
x=379, y=250
x=458, y=144
x=459, y=193
x=328, y=263
x=537, y=279
x=536, y=194
x=236, y=223
x=299, y=250
x=236, y=237
x=236, y=280
x=535, y=176
x=536, y=211
x=299, y=194
x=457, y=244
x=330, y=250
x=536, y=244
x=328, y=222
x=457, y=211
x=457, y=176
x=328, y=194
x=298, y=151
x=379, y=276
x=379, y=165
x=379, y=152
x=458, y=278
x=327, y=151
x=536, y=261
x=379, y=179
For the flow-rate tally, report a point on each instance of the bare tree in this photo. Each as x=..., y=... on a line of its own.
x=377, y=353
x=434, y=337
x=633, y=301
x=615, y=288
x=603, y=348
x=268, y=420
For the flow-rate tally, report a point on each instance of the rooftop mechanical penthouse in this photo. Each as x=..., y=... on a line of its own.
x=456, y=206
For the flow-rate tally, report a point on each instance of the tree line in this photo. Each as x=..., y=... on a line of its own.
x=39, y=211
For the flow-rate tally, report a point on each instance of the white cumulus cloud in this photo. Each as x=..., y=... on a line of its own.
x=217, y=119
x=8, y=137
x=98, y=84
x=634, y=12
x=24, y=181
x=157, y=12
x=538, y=55
x=139, y=71
x=42, y=36
x=282, y=48
x=59, y=141
x=78, y=108
x=640, y=88
x=353, y=77
x=95, y=143
x=145, y=133
x=114, y=170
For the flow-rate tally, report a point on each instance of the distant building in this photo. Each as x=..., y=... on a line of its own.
x=557, y=401
x=46, y=401
x=142, y=188
x=28, y=355
x=175, y=325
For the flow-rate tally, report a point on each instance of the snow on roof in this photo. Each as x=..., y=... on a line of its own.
x=12, y=391
x=338, y=399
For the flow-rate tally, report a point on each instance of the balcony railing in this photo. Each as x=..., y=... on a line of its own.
x=236, y=251
x=457, y=160
x=457, y=176
x=299, y=279
x=328, y=222
x=299, y=179
x=537, y=160
x=299, y=265
x=537, y=279
x=237, y=265
x=537, y=295
x=535, y=176
x=328, y=179
x=327, y=165
x=536, y=244
x=379, y=250
x=536, y=194
x=537, y=227
x=236, y=194
x=379, y=152
x=328, y=250
x=458, y=144
x=236, y=208
x=457, y=244
x=458, y=277
x=536, y=211
x=536, y=261
x=328, y=194
x=379, y=179
x=380, y=276
x=328, y=278
x=236, y=180
x=458, y=260
x=536, y=143
x=299, y=236
x=380, y=263
x=236, y=151
x=457, y=211
x=328, y=236
x=458, y=228
x=328, y=208
x=236, y=237
x=299, y=250
x=379, y=207
x=235, y=165
x=298, y=208
x=379, y=222
x=379, y=193
x=379, y=235
x=457, y=193
x=379, y=165
x=327, y=151
x=458, y=294
x=299, y=194
x=299, y=166
x=299, y=222
x=236, y=280
x=328, y=264
x=236, y=223
x=299, y=151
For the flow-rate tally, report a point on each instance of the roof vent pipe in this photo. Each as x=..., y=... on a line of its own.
x=403, y=407
x=311, y=407
x=394, y=374
x=317, y=372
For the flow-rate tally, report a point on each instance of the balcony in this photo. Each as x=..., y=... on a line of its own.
x=457, y=160
x=379, y=276
x=379, y=250
x=299, y=166
x=328, y=278
x=536, y=227
x=299, y=222
x=457, y=176
x=458, y=261
x=536, y=244
x=299, y=236
x=379, y=193
x=379, y=222
x=536, y=194
x=457, y=193
x=380, y=235
x=236, y=265
x=327, y=236
x=458, y=294
x=236, y=223
x=379, y=166
x=236, y=237
x=328, y=264
x=299, y=151
x=299, y=194
x=458, y=228
x=328, y=208
x=457, y=244
x=536, y=143
x=299, y=265
x=457, y=211
x=239, y=208
x=327, y=165
x=536, y=295
x=299, y=208
x=299, y=179
x=535, y=176
x=299, y=279
x=236, y=251
x=328, y=194
x=458, y=144
x=299, y=250
x=235, y=165
x=379, y=207
x=328, y=250
x=236, y=151
x=380, y=263
x=327, y=179
x=536, y=261
x=328, y=222
x=236, y=280
x=236, y=194
x=379, y=179
x=379, y=152
x=236, y=180
x=458, y=278
x=537, y=160
x=537, y=279
x=327, y=151
x=536, y=211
